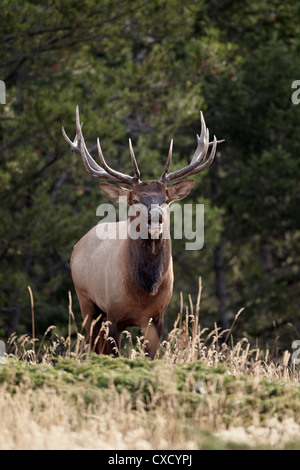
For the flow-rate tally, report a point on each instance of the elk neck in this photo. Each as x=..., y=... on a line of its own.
x=149, y=261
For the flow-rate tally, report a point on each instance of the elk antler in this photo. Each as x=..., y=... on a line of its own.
x=103, y=171
x=199, y=156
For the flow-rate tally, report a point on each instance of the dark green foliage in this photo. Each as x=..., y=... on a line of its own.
x=144, y=70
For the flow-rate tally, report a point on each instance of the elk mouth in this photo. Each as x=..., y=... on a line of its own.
x=155, y=224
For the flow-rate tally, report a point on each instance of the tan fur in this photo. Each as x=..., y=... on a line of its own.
x=91, y=264
x=106, y=283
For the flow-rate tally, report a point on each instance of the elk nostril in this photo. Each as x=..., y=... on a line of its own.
x=155, y=216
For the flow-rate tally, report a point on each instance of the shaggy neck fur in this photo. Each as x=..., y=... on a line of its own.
x=149, y=260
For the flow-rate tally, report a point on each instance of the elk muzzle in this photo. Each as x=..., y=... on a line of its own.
x=155, y=221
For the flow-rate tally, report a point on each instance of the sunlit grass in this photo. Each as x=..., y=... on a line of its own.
x=200, y=392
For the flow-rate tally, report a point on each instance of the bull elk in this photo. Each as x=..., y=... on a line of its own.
x=128, y=281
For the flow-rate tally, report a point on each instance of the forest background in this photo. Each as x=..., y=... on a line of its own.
x=143, y=70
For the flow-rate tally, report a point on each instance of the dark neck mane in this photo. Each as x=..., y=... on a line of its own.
x=148, y=261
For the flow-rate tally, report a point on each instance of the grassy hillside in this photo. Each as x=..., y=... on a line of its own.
x=197, y=395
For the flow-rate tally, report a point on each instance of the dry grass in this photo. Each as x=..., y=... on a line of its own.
x=44, y=420
x=200, y=393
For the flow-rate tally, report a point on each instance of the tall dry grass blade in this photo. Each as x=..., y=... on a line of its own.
x=83, y=324
x=32, y=318
x=71, y=313
x=104, y=334
x=146, y=331
x=71, y=317
x=186, y=322
x=181, y=310
x=197, y=313
x=233, y=323
x=44, y=336
x=93, y=323
x=199, y=296
x=191, y=305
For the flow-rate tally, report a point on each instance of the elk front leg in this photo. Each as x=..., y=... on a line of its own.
x=152, y=333
x=104, y=337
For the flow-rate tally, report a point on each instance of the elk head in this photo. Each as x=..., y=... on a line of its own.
x=153, y=197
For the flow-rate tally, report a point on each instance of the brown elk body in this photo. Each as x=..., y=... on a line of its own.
x=122, y=279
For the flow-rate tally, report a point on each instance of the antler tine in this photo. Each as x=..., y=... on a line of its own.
x=88, y=160
x=168, y=163
x=209, y=160
x=134, y=163
x=199, y=156
x=74, y=145
x=121, y=177
x=183, y=172
x=103, y=163
x=78, y=146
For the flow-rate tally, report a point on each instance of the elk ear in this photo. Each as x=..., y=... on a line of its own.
x=114, y=193
x=180, y=190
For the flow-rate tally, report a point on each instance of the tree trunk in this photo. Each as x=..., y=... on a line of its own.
x=220, y=283
x=219, y=263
